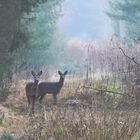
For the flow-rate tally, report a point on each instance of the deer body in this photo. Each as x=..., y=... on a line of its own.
x=51, y=87
x=31, y=89
x=46, y=87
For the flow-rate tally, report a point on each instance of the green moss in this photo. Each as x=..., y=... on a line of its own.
x=136, y=137
x=60, y=130
x=99, y=84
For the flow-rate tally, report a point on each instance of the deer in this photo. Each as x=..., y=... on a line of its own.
x=31, y=89
x=51, y=87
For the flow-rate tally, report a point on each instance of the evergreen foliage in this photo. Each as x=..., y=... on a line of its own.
x=27, y=28
x=126, y=12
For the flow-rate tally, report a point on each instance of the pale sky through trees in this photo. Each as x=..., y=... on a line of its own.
x=85, y=19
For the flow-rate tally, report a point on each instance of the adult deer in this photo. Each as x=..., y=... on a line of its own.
x=32, y=89
x=51, y=87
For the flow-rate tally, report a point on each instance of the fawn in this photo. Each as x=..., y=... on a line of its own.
x=32, y=89
x=51, y=87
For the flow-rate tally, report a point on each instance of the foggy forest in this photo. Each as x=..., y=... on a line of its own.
x=69, y=70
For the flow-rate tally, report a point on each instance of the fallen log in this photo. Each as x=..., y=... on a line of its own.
x=105, y=90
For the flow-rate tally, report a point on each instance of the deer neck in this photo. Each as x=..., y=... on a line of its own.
x=35, y=85
x=61, y=81
x=36, y=88
x=36, y=82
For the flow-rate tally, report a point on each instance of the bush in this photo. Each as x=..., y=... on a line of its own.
x=6, y=136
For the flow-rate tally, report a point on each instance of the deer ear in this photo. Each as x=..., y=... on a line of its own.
x=59, y=72
x=65, y=72
x=33, y=73
x=40, y=73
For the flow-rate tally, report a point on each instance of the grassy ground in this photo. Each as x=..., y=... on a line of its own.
x=60, y=122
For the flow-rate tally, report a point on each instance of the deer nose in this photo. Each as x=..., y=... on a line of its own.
x=36, y=81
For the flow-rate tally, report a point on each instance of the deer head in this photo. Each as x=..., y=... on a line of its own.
x=62, y=75
x=36, y=76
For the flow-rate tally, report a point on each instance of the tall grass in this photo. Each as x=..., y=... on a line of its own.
x=83, y=124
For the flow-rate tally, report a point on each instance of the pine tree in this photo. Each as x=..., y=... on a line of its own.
x=43, y=29
x=13, y=35
x=126, y=12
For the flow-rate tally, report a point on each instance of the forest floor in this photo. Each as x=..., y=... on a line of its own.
x=79, y=115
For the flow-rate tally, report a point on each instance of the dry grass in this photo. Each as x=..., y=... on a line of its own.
x=82, y=124
x=67, y=123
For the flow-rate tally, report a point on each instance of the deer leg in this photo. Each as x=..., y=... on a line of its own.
x=40, y=99
x=33, y=104
x=28, y=98
x=55, y=98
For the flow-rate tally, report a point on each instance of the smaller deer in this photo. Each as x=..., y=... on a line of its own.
x=51, y=87
x=32, y=90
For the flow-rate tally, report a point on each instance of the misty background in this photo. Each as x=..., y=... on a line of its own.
x=85, y=20
x=97, y=42
x=56, y=34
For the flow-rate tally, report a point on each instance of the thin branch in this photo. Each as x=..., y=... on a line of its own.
x=132, y=59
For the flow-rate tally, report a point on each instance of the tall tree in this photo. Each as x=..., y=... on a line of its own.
x=12, y=33
x=127, y=13
x=43, y=31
